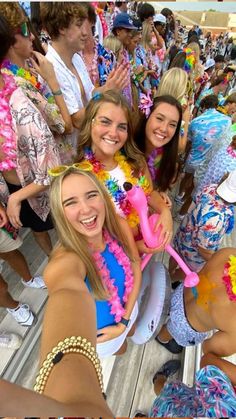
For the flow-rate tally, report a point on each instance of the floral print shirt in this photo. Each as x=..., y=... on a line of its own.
x=224, y=161
x=45, y=103
x=208, y=219
x=101, y=66
x=204, y=131
x=36, y=151
x=212, y=396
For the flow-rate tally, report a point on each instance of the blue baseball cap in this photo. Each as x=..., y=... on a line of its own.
x=123, y=20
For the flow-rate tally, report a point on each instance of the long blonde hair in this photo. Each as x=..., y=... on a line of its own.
x=174, y=83
x=146, y=36
x=134, y=155
x=72, y=240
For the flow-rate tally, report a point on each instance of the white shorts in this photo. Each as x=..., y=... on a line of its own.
x=7, y=243
x=110, y=347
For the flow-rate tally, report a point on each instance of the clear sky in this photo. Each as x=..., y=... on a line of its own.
x=228, y=6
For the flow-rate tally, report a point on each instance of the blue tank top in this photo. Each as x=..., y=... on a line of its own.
x=104, y=317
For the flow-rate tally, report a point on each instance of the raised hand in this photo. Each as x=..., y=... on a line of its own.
x=41, y=66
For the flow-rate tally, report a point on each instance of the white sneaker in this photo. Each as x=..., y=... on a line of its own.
x=10, y=340
x=35, y=282
x=23, y=315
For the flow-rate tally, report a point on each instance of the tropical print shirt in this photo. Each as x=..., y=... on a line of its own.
x=36, y=151
x=224, y=161
x=212, y=395
x=206, y=92
x=44, y=101
x=204, y=131
x=209, y=218
x=103, y=63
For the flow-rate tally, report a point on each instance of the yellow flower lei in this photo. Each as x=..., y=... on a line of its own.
x=105, y=178
x=232, y=272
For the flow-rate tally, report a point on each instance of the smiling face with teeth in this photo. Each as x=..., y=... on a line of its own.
x=109, y=131
x=83, y=206
x=161, y=126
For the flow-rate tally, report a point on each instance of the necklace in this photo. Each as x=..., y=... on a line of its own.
x=9, y=68
x=154, y=161
x=7, y=135
x=117, y=194
x=92, y=65
x=114, y=301
x=223, y=110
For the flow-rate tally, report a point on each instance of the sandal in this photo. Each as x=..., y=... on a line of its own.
x=168, y=369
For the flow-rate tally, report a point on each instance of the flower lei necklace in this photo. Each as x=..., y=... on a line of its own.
x=9, y=68
x=231, y=151
x=116, y=193
x=7, y=135
x=223, y=110
x=114, y=301
x=229, y=278
x=154, y=161
x=92, y=67
x=12, y=69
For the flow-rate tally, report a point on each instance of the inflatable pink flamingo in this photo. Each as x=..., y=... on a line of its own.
x=137, y=198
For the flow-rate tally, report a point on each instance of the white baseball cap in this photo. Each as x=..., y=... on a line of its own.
x=159, y=18
x=209, y=63
x=227, y=189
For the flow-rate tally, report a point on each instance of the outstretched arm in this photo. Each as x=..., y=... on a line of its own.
x=72, y=386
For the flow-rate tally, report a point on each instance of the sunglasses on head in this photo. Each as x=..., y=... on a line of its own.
x=59, y=170
x=23, y=30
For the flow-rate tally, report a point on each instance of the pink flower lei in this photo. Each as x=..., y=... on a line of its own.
x=7, y=135
x=114, y=301
x=231, y=151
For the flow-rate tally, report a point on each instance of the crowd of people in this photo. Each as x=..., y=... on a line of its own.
x=94, y=97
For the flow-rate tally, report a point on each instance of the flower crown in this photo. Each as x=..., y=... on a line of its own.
x=229, y=277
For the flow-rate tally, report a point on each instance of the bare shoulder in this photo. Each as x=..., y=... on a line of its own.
x=124, y=225
x=64, y=269
x=215, y=266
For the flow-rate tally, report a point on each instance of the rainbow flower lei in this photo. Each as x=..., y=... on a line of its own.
x=9, y=68
x=116, y=193
x=14, y=70
x=190, y=60
x=229, y=277
x=7, y=135
x=114, y=301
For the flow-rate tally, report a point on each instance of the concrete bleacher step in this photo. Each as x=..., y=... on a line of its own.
x=12, y=362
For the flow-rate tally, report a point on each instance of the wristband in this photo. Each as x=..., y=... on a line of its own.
x=125, y=322
x=57, y=93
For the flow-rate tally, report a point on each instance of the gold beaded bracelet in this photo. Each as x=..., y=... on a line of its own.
x=74, y=344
